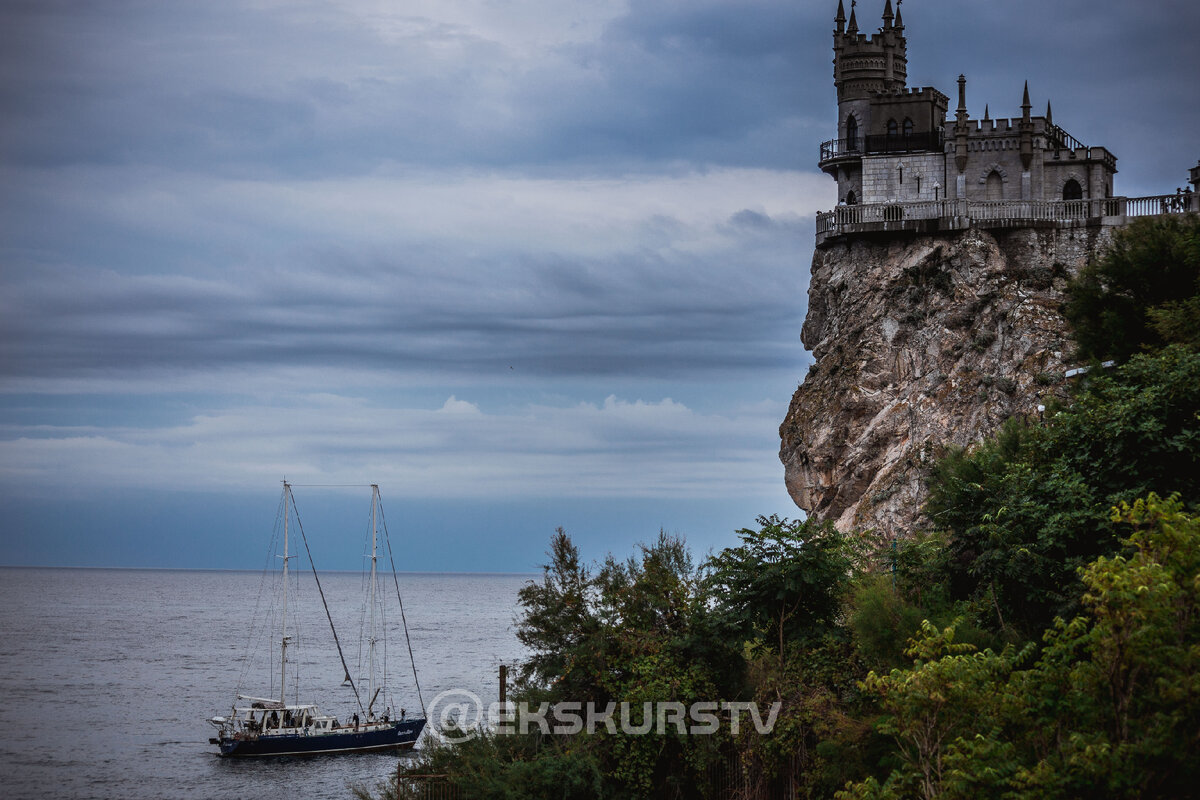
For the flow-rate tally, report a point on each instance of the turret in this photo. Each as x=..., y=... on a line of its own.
x=1026, y=130
x=877, y=114
x=960, y=126
x=866, y=64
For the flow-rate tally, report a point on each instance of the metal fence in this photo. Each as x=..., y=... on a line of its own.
x=928, y=141
x=730, y=778
x=734, y=779
x=425, y=787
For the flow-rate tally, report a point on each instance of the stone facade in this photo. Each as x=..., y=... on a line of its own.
x=894, y=144
x=912, y=176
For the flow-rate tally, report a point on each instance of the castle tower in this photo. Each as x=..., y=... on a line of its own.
x=880, y=117
x=863, y=66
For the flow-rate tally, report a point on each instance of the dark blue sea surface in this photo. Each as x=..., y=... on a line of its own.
x=108, y=677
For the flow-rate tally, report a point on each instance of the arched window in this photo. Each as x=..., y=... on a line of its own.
x=891, y=128
x=908, y=127
x=1072, y=190
x=994, y=189
x=851, y=133
x=851, y=199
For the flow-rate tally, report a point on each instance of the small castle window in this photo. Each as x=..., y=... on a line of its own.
x=851, y=133
x=908, y=128
x=891, y=127
x=1072, y=190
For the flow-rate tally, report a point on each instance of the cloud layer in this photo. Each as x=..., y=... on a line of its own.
x=479, y=250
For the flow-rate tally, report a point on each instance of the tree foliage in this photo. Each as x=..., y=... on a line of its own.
x=784, y=581
x=637, y=631
x=1142, y=292
x=1025, y=509
x=1108, y=709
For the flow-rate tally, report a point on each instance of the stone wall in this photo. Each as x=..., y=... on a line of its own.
x=881, y=181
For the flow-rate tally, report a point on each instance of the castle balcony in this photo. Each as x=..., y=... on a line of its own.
x=838, y=151
x=931, y=216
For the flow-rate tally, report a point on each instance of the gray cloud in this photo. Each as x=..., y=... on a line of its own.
x=222, y=202
x=668, y=313
x=322, y=89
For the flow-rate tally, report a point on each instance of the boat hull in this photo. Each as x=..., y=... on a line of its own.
x=397, y=735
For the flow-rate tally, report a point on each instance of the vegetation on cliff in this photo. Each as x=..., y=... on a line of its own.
x=1038, y=638
x=1143, y=293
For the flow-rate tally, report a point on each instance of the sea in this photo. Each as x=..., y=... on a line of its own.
x=108, y=677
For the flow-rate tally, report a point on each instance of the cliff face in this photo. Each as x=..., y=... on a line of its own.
x=921, y=341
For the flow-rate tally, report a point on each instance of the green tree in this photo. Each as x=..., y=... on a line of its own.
x=781, y=592
x=641, y=630
x=1141, y=292
x=950, y=692
x=1108, y=709
x=784, y=581
x=1024, y=510
x=559, y=625
x=1122, y=682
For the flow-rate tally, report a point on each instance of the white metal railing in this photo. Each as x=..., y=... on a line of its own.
x=844, y=218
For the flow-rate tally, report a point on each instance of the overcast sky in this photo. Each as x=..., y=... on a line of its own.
x=523, y=264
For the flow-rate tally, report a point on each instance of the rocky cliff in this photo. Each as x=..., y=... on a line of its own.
x=921, y=341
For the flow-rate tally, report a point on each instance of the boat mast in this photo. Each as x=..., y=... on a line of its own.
x=371, y=649
x=287, y=497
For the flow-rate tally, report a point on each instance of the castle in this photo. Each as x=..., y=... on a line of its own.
x=900, y=166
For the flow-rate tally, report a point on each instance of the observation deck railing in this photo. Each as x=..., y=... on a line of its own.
x=929, y=141
x=927, y=215
x=1060, y=138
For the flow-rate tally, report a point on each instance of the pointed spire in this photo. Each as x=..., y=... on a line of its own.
x=985, y=113
x=887, y=15
x=1025, y=104
x=1049, y=116
x=840, y=19
x=853, y=26
x=899, y=19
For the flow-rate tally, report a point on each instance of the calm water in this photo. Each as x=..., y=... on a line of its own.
x=107, y=677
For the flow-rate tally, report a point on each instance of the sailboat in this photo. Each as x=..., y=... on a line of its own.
x=270, y=726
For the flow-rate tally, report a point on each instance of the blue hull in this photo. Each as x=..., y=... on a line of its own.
x=399, y=735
